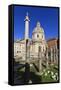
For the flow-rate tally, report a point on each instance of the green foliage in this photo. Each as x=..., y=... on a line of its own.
x=47, y=75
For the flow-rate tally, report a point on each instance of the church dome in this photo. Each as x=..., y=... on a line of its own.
x=38, y=33
x=38, y=28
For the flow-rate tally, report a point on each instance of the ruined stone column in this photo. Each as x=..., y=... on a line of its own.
x=40, y=65
x=47, y=63
x=27, y=50
x=51, y=55
x=54, y=55
x=40, y=61
x=27, y=64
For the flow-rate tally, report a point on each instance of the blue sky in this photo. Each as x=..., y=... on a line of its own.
x=48, y=18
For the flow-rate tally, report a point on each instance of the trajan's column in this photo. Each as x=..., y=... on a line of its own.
x=26, y=26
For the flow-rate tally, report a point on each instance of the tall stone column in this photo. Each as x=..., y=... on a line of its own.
x=27, y=37
x=27, y=26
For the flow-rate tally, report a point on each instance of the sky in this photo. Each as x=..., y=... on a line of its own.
x=48, y=18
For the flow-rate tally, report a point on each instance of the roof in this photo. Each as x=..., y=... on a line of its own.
x=21, y=40
x=52, y=42
x=52, y=39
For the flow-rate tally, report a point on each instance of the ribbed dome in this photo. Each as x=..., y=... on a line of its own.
x=38, y=29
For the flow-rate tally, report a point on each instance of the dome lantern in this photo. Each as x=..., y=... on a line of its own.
x=38, y=24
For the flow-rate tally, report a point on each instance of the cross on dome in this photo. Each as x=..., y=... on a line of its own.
x=38, y=24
